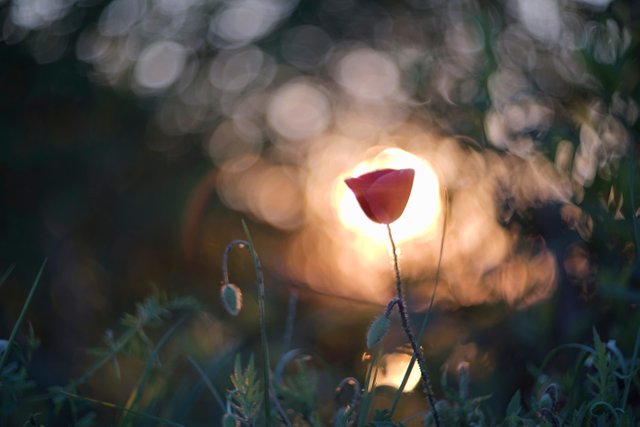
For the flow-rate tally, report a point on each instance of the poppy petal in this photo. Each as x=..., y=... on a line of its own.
x=359, y=187
x=388, y=195
x=383, y=194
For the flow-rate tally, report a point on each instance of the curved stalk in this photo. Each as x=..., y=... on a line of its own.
x=261, y=307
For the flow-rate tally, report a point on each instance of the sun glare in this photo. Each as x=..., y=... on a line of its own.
x=423, y=209
x=392, y=369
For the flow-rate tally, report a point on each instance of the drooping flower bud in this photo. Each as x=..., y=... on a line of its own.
x=545, y=402
x=377, y=330
x=231, y=297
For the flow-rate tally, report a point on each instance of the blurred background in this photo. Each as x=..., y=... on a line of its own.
x=136, y=134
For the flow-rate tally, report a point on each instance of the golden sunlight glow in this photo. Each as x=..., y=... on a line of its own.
x=423, y=209
x=392, y=369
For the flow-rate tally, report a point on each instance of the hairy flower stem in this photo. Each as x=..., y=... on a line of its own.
x=406, y=326
x=425, y=318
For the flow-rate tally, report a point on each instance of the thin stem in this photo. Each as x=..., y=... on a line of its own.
x=137, y=393
x=23, y=312
x=425, y=319
x=291, y=317
x=368, y=388
x=207, y=382
x=365, y=401
x=341, y=297
x=406, y=326
x=632, y=179
x=225, y=257
x=279, y=408
x=628, y=379
x=6, y=274
x=355, y=400
x=266, y=364
x=159, y=420
x=392, y=303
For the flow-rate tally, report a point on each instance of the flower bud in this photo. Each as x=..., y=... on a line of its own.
x=549, y=398
x=231, y=297
x=545, y=402
x=377, y=330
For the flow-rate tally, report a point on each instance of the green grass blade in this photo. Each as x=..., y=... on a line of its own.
x=25, y=306
x=159, y=420
x=632, y=369
x=632, y=198
x=214, y=367
x=151, y=360
x=366, y=394
x=263, y=327
x=207, y=382
x=6, y=274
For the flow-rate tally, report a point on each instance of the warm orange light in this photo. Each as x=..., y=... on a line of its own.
x=392, y=369
x=421, y=214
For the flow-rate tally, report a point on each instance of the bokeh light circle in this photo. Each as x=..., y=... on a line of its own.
x=160, y=64
x=420, y=217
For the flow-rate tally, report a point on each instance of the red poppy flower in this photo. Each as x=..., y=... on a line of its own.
x=383, y=194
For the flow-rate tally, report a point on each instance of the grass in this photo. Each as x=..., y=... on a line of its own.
x=601, y=388
x=12, y=338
